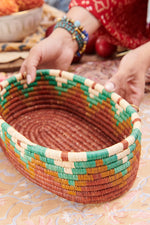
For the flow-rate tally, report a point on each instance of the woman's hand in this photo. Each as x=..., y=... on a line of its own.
x=55, y=52
x=129, y=81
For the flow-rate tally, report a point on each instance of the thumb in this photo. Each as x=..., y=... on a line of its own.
x=113, y=83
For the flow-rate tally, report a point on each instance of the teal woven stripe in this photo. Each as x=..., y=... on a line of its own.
x=54, y=168
x=43, y=159
x=110, y=159
x=61, y=89
x=39, y=150
x=79, y=171
x=68, y=176
x=136, y=133
x=107, y=94
x=31, y=154
x=130, y=110
x=50, y=161
x=8, y=87
x=42, y=72
x=61, y=169
x=3, y=103
x=5, y=95
x=12, y=80
x=122, y=167
x=25, y=161
x=84, y=88
x=26, y=95
x=19, y=87
x=48, y=78
x=112, y=102
x=132, y=147
x=26, y=90
x=100, y=154
x=71, y=182
x=92, y=101
x=118, y=118
x=113, y=108
x=71, y=83
x=90, y=164
x=53, y=82
x=130, y=156
x=15, y=149
x=5, y=126
x=68, y=86
x=124, y=172
x=98, y=100
x=117, y=123
x=79, y=79
x=119, y=162
x=33, y=84
x=103, y=97
x=114, y=165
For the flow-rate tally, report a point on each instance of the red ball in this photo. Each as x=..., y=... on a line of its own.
x=103, y=48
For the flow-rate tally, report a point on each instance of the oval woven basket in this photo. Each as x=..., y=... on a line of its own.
x=69, y=135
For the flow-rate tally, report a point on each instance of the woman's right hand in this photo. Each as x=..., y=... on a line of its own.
x=55, y=52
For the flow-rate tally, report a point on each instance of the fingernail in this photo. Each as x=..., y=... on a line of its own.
x=29, y=79
x=110, y=86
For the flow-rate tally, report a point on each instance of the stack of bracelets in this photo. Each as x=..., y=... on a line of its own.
x=76, y=30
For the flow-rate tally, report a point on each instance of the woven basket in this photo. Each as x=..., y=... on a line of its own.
x=67, y=134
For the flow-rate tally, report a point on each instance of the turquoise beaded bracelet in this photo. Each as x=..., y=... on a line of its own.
x=77, y=32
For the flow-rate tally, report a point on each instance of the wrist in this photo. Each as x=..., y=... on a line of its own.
x=76, y=31
x=65, y=40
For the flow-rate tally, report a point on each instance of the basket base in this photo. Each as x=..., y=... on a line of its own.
x=61, y=129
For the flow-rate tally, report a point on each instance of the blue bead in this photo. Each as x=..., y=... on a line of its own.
x=77, y=23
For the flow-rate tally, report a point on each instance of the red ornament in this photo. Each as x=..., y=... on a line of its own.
x=103, y=48
x=90, y=47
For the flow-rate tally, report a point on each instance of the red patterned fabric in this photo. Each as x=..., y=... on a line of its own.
x=123, y=21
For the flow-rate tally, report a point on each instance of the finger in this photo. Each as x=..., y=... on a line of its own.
x=30, y=65
x=115, y=83
x=23, y=67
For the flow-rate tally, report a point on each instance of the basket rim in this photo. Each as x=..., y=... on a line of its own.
x=94, y=88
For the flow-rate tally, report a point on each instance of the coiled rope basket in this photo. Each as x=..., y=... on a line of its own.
x=69, y=135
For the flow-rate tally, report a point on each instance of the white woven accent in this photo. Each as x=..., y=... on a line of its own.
x=115, y=149
x=123, y=154
x=68, y=170
x=53, y=154
x=75, y=156
x=61, y=80
x=93, y=91
x=88, y=82
x=99, y=88
x=64, y=164
x=67, y=75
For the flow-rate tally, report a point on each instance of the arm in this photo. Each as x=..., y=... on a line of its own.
x=129, y=81
x=58, y=50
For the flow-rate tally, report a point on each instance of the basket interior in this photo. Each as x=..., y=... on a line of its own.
x=63, y=114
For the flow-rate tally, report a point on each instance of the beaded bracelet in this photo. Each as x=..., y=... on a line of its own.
x=77, y=32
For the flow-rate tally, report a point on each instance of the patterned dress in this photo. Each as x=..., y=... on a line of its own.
x=123, y=22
